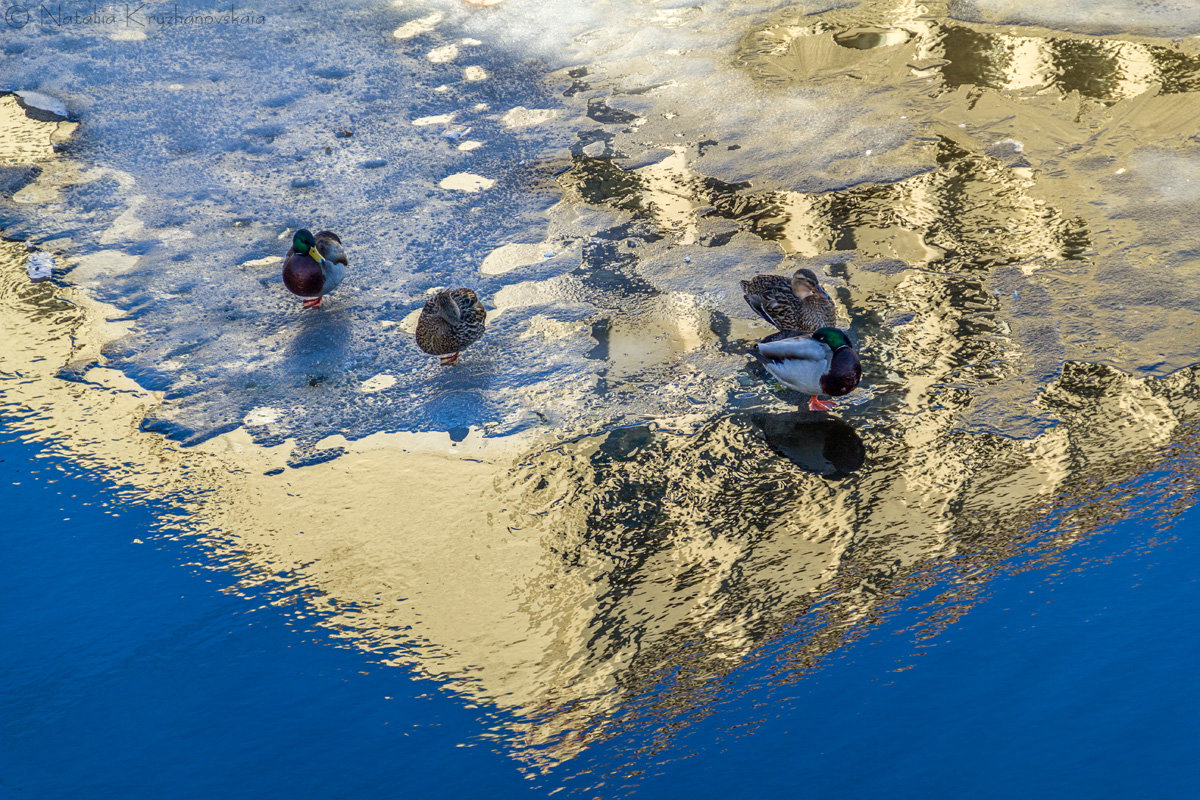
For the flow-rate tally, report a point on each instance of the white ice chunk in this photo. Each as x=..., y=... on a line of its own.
x=466, y=182
x=43, y=101
x=377, y=383
x=436, y=119
x=443, y=55
x=510, y=256
x=418, y=26
x=409, y=323
x=40, y=266
x=261, y=415
x=522, y=117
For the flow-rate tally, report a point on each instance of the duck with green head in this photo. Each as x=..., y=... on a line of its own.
x=823, y=362
x=799, y=304
x=314, y=266
x=450, y=320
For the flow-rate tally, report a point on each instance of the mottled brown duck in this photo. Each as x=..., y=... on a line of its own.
x=799, y=304
x=450, y=321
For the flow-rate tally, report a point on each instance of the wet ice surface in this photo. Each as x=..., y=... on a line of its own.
x=202, y=155
x=981, y=218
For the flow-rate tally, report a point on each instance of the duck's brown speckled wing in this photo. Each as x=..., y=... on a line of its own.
x=438, y=336
x=772, y=297
x=474, y=315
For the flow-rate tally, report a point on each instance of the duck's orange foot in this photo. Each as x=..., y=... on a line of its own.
x=817, y=404
x=450, y=360
x=312, y=302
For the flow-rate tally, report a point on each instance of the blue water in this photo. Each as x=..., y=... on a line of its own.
x=136, y=675
x=133, y=670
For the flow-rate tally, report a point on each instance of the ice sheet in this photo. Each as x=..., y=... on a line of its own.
x=660, y=152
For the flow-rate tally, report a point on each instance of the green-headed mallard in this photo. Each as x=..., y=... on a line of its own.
x=822, y=362
x=796, y=305
x=314, y=266
x=450, y=320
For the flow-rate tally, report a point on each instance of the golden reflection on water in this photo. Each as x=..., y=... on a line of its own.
x=898, y=40
x=25, y=140
x=972, y=279
x=968, y=209
x=559, y=582
x=953, y=223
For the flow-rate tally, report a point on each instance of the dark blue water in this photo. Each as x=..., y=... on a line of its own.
x=130, y=673
x=133, y=670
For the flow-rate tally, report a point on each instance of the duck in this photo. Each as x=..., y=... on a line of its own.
x=314, y=266
x=799, y=304
x=450, y=321
x=817, y=363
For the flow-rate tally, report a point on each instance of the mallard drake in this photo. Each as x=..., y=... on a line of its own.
x=450, y=320
x=822, y=362
x=796, y=305
x=314, y=266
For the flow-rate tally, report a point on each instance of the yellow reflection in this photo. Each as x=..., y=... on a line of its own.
x=25, y=140
x=969, y=203
x=560, y=580
x=891, y=40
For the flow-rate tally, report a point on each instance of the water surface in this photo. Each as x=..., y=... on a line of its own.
x=608, y=542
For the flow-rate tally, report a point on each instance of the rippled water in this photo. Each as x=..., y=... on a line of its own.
x=608, y=514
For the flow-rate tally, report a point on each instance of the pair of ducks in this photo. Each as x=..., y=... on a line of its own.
x=450, y=320
x=809, y=354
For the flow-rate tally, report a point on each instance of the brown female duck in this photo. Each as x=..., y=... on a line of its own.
x=450, y=320
x=796, y=305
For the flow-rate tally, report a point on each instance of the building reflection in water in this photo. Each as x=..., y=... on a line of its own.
x=701, y=548
x=918, y=290
x=580, y=587
x=896, y=40
x=971, y=280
